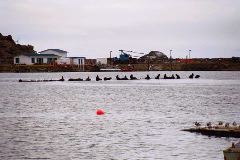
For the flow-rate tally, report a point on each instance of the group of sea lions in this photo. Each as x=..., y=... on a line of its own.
x=176, y=76
x=192, y=76
x=44, y=80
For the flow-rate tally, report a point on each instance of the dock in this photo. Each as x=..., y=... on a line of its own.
x=217, y=132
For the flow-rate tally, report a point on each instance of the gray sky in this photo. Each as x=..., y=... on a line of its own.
x=92, y=28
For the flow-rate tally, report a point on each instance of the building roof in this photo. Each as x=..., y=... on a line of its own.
x=56, y=50
x=39, y=55
x=76, y=57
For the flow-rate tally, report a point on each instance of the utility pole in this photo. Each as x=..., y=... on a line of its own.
x=189, y=53
x=171, y=59
x=110, y=58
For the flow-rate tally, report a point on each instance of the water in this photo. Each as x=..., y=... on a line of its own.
x=143, y=120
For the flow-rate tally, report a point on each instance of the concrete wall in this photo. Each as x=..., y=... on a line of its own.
x=63, y=61
x=76, y=61
x=101, y=60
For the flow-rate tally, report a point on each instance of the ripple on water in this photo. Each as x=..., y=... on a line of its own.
x=143, y=118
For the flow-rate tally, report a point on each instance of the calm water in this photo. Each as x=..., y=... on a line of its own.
x=57, y=120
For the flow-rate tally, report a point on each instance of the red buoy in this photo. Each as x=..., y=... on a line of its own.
x=100, y=112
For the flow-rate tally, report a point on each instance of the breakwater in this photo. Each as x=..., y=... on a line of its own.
x=218, y=130
x=131, y=77
x=204, y=66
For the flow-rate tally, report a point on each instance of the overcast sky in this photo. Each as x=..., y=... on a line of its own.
x=92, y=28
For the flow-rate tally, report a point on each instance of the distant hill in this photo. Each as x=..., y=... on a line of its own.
x=9, y=49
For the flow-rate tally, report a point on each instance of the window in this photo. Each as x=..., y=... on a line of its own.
x=40, y=60
x=80, y=61
x=17, y=60
x=33, y=60
x=49, y=60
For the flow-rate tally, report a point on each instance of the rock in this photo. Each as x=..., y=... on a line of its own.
x=155, y=55
x=9, y=49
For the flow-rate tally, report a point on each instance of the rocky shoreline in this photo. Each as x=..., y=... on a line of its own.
x=136, y=67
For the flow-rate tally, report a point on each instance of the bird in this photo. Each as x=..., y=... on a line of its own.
x=88, y=79
x=209, y=124
x=158, y=76
x=197, y=124
x=220, y=123
x=107, y=78
x=98, y=79
x=234, y=123
x=147, y=78
x=62, y=79
x=197, y=76
x=178, y=77
x=125, y=78
x=191, y=76
x=132, y=77
x=165, y=76
x=227, y=125
x=117, y=77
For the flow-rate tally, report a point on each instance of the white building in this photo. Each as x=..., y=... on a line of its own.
x=77, y=60
x=34, y=58
x=80, y=61
x=49, y=56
